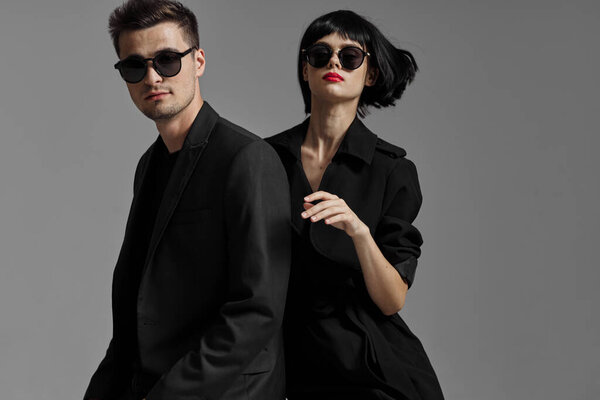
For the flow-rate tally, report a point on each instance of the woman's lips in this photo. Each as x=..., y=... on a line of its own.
x=156, y=96
x=333, y=77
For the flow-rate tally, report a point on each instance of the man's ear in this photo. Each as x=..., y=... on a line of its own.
x=372, y=75
x=200, y=62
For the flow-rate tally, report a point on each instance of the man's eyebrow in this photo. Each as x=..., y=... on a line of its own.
x=173, y=49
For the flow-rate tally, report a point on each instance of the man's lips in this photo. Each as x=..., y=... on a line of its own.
x=333, y=77
x=156, y=96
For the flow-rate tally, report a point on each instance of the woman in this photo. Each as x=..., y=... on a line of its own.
x=354, y=197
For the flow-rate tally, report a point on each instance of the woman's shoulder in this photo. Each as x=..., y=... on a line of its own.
x=389, y=150
x=393, y=157
x=278, y=138
x=287, y=143
x=284, y=138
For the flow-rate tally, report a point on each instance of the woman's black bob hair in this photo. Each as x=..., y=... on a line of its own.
x=396, y=67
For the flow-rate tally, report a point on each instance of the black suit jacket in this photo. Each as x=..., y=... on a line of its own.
x=213, y=284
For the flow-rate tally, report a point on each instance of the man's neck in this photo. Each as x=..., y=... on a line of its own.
x=173, y=131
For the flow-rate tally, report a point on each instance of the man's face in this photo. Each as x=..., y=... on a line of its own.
x=158, y=97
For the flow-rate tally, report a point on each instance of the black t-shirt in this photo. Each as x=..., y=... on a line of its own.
x=153, y=187
x=160, y=166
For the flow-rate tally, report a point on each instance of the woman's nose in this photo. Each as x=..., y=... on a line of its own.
x=334, y=61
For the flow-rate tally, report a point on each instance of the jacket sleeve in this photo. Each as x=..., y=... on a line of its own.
x=257, y=216
x=110, y=378
x=106, y=381
x=400, y=242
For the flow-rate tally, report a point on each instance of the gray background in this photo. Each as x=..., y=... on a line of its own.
x=502, y=123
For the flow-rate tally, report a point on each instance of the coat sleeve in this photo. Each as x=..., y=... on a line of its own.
x=110, y=377
x=257, y=216
x=400, y=242
x=106, y=381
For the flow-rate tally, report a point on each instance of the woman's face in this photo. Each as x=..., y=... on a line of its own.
x=333, y=83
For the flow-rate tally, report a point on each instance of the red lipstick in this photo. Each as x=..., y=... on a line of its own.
x=333, y=77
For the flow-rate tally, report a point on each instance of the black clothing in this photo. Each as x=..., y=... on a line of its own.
x=205, y=323
x=160, y=166
x=338, y=343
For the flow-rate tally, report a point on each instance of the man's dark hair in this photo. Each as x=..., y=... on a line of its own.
x=140, y=14
x=396, y=67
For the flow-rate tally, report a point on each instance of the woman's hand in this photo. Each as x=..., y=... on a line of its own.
x=335, y=212
x=384, y=284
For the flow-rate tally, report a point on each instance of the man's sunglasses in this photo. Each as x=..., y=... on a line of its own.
x=318, y=55
x=166, y=63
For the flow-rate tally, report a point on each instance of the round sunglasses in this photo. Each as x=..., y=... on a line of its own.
x=166, y=63
x=318, y=55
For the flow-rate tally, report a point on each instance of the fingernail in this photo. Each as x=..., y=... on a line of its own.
x=306, y=198
x=313, y=218
x=304, y=214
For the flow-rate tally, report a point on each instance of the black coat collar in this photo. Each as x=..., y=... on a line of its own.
x=358, y=142
x=193, y=146
x=201, y=127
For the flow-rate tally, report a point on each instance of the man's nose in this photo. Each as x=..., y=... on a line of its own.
x=151, y=75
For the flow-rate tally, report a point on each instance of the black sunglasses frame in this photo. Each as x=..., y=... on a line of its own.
x=338, y=53
x=119, y=64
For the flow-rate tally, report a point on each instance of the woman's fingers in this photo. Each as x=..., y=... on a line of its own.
x=333, y=210
x=316, y=208
x=308, y=206
x=320, y=195
x=329, y=211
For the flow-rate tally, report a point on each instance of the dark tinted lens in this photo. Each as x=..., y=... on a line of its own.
x=133, y=69
x=167, y=63
x=318, y=56
x=351, y=57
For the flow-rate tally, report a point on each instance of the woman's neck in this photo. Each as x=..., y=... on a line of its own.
x=327, y=127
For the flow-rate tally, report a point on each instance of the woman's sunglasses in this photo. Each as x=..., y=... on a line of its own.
x=166, y=63
x=318, y=55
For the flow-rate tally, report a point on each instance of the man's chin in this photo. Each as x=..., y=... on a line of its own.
x=160, y=113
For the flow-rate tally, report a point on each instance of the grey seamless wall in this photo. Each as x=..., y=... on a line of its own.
x=501, y=122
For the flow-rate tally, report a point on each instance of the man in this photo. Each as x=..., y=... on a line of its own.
x=200, y=282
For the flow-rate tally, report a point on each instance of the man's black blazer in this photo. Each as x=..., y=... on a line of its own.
x=213, y=285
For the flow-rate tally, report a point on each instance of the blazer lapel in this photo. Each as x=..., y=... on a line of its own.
x=195, y=143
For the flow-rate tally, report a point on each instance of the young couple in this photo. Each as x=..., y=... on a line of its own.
x=227, y=231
